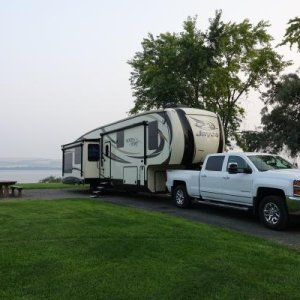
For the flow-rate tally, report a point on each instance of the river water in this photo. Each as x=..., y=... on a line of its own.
x=28, y=176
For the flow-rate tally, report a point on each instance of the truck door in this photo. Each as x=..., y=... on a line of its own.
x=238, y=187
x=211, y=178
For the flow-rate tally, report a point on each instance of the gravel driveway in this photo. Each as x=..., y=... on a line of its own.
x=240, y=221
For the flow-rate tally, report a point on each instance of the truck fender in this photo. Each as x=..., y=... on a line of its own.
x=263, y=192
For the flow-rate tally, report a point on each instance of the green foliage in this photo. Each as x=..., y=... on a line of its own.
x=282, y=123
x=83, y=249
x=292, y=34
x=211, y=70
x=246, y=60
x=51, y=179
x=171, y=68
x=252, y=141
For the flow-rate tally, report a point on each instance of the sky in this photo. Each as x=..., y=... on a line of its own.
x=63, y=64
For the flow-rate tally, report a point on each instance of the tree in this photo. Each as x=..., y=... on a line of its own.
x=173, y=67
x=292, y=34
x=210, y=70
x=245, y=61
x=252, y=141
x=282, y=123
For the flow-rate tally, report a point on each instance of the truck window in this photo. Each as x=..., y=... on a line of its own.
x=269, y=162
x=106, y=150
x=240, y=162
x=93, y=152
x=214, y=163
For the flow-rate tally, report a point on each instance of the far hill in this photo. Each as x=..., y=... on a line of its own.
x=29, y=164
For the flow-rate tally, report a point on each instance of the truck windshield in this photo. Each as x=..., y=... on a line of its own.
x=269, y=162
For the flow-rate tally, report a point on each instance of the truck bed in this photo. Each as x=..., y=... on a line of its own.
x=190, y=176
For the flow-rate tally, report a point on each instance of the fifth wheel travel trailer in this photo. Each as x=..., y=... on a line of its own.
x=134, y=153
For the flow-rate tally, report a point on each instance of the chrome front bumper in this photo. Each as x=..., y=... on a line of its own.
x=293, y=205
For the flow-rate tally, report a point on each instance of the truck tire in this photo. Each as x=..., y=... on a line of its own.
x=180, y=197
x=273, y=212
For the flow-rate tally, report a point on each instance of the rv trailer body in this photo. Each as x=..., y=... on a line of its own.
x=135, y=152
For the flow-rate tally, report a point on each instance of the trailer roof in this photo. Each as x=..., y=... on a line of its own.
x=187, y=110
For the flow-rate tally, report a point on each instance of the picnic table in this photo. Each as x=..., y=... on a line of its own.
x=5, y=186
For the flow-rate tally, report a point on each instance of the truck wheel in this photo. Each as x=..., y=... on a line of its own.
x=180, y=197
x=273, y=213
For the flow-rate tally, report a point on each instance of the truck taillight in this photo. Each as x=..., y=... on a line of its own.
x=297, y=187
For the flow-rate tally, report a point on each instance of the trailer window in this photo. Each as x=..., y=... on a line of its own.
x=106, y=150
x=78, y=155
x=93, y=152
x=153, y=135
x=120, y=139
x=214, y=163
x=68, y=162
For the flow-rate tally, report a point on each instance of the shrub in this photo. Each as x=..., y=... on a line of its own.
x=51, y=179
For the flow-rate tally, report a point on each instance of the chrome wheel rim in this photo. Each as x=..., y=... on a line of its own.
x=272, y=213
x=179, y=197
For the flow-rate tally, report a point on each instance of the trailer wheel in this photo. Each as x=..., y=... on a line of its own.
x=273, y=213
x=180, y=197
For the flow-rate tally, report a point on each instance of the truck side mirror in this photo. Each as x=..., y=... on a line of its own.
x=232, y=168
x=248, y=170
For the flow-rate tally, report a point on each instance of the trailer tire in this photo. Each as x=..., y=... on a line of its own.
x=180, y=197
x=273, y=212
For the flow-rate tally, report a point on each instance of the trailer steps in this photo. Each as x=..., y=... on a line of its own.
x=99, y=190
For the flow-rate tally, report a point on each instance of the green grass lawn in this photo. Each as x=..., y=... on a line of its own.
x=39, y=186
x=85, y=249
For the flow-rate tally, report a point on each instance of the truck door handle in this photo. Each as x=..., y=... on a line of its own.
x=203, y=175
x=226, y=177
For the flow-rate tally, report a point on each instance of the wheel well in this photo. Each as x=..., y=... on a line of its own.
x=263, y=192
x=177, y=183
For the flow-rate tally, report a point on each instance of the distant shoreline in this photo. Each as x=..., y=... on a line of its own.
x=30, y=165
x=29, y=169
x=29, y=175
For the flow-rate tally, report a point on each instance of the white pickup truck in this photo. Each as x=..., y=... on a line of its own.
x=264, y=183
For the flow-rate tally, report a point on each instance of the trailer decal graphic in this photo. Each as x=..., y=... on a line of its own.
x=206, y=129
x=207, y=126
x=118, y=159
x=108, y=136
x=157, y=151
x=133, y=141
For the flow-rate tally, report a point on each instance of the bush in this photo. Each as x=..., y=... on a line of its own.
x=51, y=179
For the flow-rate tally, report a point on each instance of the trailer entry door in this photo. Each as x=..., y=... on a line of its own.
x=107, y=159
